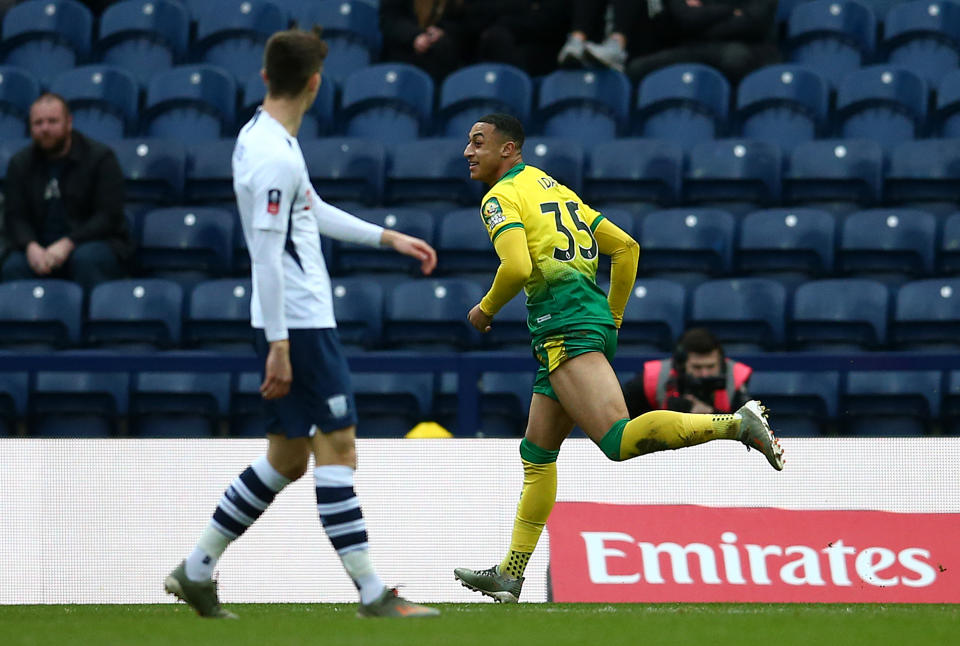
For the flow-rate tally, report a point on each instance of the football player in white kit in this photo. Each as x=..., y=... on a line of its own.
x=308, y=396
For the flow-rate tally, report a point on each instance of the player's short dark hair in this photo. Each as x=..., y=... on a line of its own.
x=53, y=96
x=699, y=340
x=290, y=58
x=507, y=125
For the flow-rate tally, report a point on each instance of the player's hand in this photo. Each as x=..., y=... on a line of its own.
x=59, y=251
x=279, y=374
x=413, y=247
x=38, y=259
x=479, y=319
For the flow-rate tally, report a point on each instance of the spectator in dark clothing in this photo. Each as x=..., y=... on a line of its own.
x=64, y=203
x=698, y=378
x=584, y=46
x=426, y=33
x=734, y=36
x=523, y=33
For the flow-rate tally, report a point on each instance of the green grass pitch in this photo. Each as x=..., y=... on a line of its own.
x=487, y=624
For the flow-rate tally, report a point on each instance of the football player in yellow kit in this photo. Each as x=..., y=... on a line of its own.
x=548, y=241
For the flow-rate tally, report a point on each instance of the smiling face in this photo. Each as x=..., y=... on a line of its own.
x=487, y=154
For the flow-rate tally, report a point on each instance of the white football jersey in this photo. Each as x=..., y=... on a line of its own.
x=274, y=194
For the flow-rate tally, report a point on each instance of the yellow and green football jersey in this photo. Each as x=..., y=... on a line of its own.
x=562, y=290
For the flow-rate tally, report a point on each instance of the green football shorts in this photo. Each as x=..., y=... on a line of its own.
x=553, y=348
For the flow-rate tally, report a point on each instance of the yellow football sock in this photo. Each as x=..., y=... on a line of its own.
x=536, y=503
x=660, y=430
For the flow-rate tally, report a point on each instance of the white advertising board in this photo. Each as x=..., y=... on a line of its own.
x=103, y=521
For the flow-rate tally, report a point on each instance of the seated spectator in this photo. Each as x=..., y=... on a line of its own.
x=735, y=36
x=697, y=379
x=64, y=203
x=522, y=33
x=426, y=33
x=588, y=21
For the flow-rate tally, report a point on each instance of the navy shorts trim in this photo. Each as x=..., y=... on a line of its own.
x=321, y=393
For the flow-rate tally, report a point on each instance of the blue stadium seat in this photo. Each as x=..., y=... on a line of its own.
x=246, y=406
x=144, y=37
x=18, y=90
x=78, y=404
x=924, y=171
x=153, y=169
x=9, y=148
x=40, y=314
x=947, y=117
x=178, y=404
x=231, y=34
x=698, y=240
x=880, y=403
x=431, y=170
x=927, y=314
x=209, y=176
x=924, y=37
x=733, y=169
x=887, y=241
x=474, y=91
x=686, y=104
x=191, y=103
x=589, y=106
x=840, y=315
x=346, y=169
x=351, y=258
x=186, y=243
x=358, y=308
x=463, y=244
x=654, y=317
x=834, y=170
x=949, y=256
x=951, y=403
x=390, y=404
x=317, y=122
x=13, y=401
x=432, y=314
x=634, y=170
x=140, y=313
x=218, y=316
x=504, y=403
x=509, y=330
x=46, y=37
x=563, y=159
x=391, y=102
x=102, y=98
x=787, y=240
x=350, y=28
x=881, y=102
x=784, y=104
x=834, y=36
x=744, y=313
x=805, y=402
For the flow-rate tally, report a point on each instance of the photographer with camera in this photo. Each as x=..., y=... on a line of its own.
x=697, y=379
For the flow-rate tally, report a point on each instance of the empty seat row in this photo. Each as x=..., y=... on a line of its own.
x=188, y=244
x=686, y=103
x=146, y=37
x=190, y=404
x=753, y=314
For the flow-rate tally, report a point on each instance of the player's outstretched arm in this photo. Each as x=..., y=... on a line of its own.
x=410, y=246
x=624, y=255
